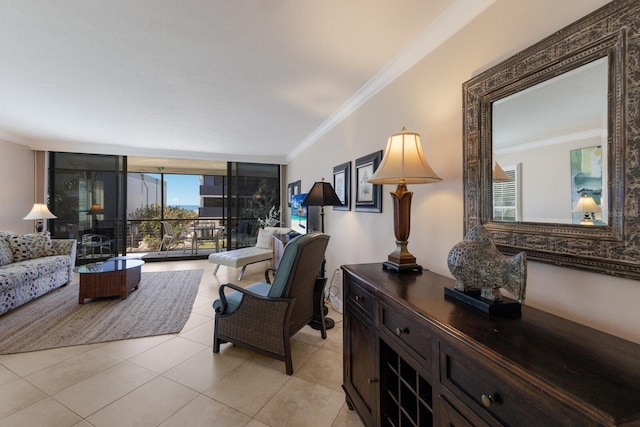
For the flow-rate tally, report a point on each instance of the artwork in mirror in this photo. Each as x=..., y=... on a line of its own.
x=581, y=209
x=552, y=130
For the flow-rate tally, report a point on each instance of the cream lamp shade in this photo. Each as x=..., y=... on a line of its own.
x=40, y=211
x=586, y=204
x=404, y=161
x=499, y=175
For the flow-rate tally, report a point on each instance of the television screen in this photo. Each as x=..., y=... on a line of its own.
x=298, y=213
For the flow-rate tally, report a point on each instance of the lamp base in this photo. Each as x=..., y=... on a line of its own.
x=321, y=309
x=317, y=325
x=401, y=268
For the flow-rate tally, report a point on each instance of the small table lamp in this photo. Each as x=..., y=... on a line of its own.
x=95, y=210
x=588, y=206
x=499, y=175
x=39, y=211
x=403, y=163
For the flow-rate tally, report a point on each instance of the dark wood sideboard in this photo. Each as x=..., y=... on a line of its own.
x=415, y=358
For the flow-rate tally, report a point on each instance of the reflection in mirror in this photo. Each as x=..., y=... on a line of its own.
x=551, y=140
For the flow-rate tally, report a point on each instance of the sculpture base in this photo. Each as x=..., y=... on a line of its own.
x=505, y=307
x=400, y=268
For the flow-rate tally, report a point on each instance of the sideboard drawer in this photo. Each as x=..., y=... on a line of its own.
x=410, y=332
x=508, y=399
x=363, y=299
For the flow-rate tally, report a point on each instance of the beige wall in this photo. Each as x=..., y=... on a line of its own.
x=542, y=168
x=16, y=186
x=428, y=100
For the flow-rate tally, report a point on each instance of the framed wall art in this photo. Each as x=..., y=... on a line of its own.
x=368, y=196
x=293, y=188
x=298, y=213
x=586, y=181
x=342, y=185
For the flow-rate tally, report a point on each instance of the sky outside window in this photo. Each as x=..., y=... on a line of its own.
x=183, y=190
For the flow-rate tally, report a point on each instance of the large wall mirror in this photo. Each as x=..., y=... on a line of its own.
x=552, y=146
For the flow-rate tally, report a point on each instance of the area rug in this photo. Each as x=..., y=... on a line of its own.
x=161, y=305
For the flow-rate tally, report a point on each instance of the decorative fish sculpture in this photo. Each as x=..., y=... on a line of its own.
x=477, y=264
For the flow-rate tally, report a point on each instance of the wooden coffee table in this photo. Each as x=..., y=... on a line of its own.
x=115, y=277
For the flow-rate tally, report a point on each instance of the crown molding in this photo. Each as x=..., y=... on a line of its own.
x=452, y=20
x=10, y=137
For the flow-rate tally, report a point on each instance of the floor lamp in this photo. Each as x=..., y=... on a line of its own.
x=322, y=194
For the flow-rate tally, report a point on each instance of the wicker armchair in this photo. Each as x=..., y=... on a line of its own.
x=264, y=317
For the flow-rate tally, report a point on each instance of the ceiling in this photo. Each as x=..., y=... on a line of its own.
x=244, y=80
x=562, y=109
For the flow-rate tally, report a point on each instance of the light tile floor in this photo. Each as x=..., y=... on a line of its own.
x=176, y=380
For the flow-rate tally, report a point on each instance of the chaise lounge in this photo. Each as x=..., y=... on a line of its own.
x=241, y=258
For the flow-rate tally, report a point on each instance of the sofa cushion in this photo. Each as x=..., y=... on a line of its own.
x=265, y=240
x=4, y=234
x=11, y=276
x=30, y=246
x=6, y=252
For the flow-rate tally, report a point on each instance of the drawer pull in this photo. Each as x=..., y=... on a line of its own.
x=358, y=298
x=487, y=400
x=400, y=331
x=372, y=380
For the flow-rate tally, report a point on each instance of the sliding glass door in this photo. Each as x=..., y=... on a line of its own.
x=162, y=213
x=87, y=198
x=253, y=191
x=175, y=212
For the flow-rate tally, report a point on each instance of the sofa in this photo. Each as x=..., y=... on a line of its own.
x=262, y=251
x=32, y=265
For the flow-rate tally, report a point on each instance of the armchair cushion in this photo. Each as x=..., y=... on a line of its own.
x=235, y=298
x=286, y=266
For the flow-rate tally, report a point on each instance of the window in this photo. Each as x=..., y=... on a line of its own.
x=506, y=196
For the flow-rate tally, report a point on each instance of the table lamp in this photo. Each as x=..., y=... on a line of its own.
x=39, y=211
x=95, y=210
x=499, y=175
x=588, y=206
x=403, y=163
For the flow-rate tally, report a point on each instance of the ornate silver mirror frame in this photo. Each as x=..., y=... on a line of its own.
x=612, y=31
